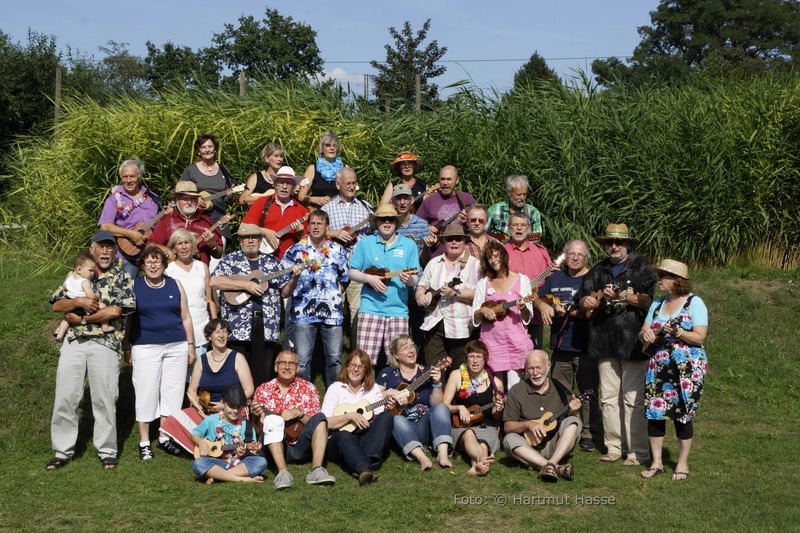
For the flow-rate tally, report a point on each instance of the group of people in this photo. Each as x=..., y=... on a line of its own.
x=451, y=294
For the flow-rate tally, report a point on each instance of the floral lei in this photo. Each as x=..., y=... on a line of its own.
x=305, y=242
x=123, y=211
x=232, y=458
x=468, y=384
x=328, y=170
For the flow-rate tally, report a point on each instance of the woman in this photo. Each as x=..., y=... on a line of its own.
x=196, y=281
x=260, y=183
x=162, y=340
x=406, y=166
x=425, y=419
x=129, y=205
x=357, y=437
x=676, y=325
x=473, y=385
x=218, y=368
x=506, y=334
x=320, y=178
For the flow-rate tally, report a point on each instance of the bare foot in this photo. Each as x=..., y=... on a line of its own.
x=256, y=479
x=210, y=481
x=425, y=464
x=480, y=467
x=444, y=462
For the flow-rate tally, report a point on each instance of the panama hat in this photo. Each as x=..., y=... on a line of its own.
x=670, y=266
x=384, y=210
x=454, y=230
x=286, y=173
x=185, y=188
x=616, y=232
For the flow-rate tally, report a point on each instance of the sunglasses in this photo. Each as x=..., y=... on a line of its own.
x=387, y=219
x=453, y=239
x=478, y=220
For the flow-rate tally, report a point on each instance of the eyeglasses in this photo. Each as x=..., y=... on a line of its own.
x=475, y=356
x=383, y=220
x=406, y=163
x=285, y=183
x=521, y=225
x=576, y=254
x=330, y=145
x=153, y=263
x=453, y=239
x=285, y=363
x=356, y=367
x=477, y=220
x=407, y=349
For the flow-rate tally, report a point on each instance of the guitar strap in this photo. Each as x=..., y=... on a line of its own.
x=664, y=299
x=227, y=176
x=264, y=212
x=563, y=392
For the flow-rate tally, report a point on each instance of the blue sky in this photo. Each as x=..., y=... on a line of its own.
x=487, y=41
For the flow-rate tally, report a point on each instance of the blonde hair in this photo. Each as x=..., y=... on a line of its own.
x=182, y=235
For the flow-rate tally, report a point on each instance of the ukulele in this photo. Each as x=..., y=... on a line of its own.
x=363, y=407
x=603, y=301
x=267, y=248
x=239, y=297
x=649, y=348
x=500, y=307
x=206, y=200
x=550, y=420
x=409, y=388
x=224, y=219
x=217, y=448
x=436, y=295
x=442, y=224
x=291, y=428
x=130, y=248
x=476, y=415
x=384, y=273
x=534, y=237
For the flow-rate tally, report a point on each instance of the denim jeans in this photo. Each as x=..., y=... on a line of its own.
x=256, y=466
x=362, y=450
x=301, y=451
x=434, y=425
x=304, y=337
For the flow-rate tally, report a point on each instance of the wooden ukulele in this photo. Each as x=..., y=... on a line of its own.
x=291, y=428
x=217, y=448
x=363, y=407
x=409, y=388
x=384, y=273
x=550, y=420
x=500, y=307
x=603, y=301
x=267, y=248
x=442, y=224
x=130, y=248
x=534, y=237
x=436, y=295
x=554, y=301
x=206, y=200
x=476, y=415
x=239, y=297
x=649, y=348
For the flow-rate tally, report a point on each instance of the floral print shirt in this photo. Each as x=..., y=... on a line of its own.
x=301, y=395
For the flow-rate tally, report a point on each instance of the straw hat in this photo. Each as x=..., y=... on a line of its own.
x=287, y=173
x=384, y=210
x=616, y=232
x=248, y=230
x=454, y=230
x=670, y=266
x=185, y=188
x=406, y=156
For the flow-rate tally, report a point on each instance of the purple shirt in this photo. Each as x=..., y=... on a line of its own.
x=436, y=207
x=121, y=210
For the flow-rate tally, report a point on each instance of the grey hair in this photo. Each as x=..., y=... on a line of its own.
x=329, y=137
x=515, y=180
x=135, y=162
x=588, y=251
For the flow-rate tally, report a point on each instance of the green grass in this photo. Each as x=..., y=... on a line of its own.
x=744, y=461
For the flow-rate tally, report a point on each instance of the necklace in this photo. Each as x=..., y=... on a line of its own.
x=154, y=285
x=224, y=356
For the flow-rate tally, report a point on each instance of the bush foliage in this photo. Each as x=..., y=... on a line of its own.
x=705, y=174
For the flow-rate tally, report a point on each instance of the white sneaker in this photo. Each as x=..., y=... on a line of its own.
x=320, y=476
x=283, y=480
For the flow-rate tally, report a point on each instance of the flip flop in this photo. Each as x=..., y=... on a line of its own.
x=652, y=472
x=55, y=463
x=679, y=476
x=610, y=457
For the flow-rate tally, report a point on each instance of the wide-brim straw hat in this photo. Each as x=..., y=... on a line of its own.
x=186, y=188
x=454, y=230
x=616, y=232
x=384, y=210
x=670, y=266
x=406, y=156
x=287, y=173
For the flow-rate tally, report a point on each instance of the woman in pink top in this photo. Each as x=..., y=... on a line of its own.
x=503, y=326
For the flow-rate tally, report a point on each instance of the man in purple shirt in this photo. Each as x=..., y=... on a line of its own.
x=445, y=204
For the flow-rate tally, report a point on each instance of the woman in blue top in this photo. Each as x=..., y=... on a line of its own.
x=675, y=328
x=162, y=340
x=319, y=185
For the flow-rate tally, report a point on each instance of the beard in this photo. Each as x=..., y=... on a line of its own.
x=189, y=210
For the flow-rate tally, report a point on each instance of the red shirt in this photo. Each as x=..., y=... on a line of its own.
x=165, y=227
x=302, y=395
x=277, y=219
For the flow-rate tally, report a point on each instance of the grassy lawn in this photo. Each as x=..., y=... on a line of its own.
x=744, y=465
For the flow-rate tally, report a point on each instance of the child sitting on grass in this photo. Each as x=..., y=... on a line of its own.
x=79, y=284
x=233, y=431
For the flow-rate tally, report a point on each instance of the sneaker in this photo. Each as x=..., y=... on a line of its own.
x=283, y=480
x=366, y=477
x=320, y=476
x=587, y=444
x=145, y=452
x=170, y=447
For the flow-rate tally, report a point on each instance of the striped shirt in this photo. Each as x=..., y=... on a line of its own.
x=455, y=313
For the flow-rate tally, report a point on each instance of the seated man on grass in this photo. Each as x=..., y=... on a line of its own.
x=229, y=427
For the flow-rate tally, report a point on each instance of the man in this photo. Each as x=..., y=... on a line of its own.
x=569, y=336
x=527, y=258
x=384, y=300
x=477, y=217
x=128, y=205
x=316, y=296
x=286, y=399
x=255, y=323
x=528, y=401
x=500, y=213
x=279, y=212
x=189, y=216
x=445, y=203
x=347, y=211
x=451, y=279
x=88, y=350
x=617, y=293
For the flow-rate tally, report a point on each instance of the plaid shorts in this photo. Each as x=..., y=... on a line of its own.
x=374, y=331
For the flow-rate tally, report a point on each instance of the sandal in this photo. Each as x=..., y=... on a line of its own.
x=610, y=457
x=109, y=463
x=55, y=463
x=680, y=476
x=548, y=473
x=651, y=472
x=566, y=472
x=631, y=461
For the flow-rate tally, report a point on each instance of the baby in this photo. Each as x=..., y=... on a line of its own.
x=79, y=284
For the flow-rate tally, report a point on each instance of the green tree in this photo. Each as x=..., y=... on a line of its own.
x=179, y=66
x=117, y=73
x=687, y=36
x=396, y=78
x=533, y=73
x=275, y=45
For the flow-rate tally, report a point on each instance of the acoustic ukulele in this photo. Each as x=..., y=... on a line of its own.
x=550, y=420
x=602, y=300
x=436, y=295
x=206, y=200
x=217, y=448
x=384, y=273
x=132, y=249
x=500, y=307
x=409, y=388
x=649, y=348
x=239, y=297
x=267, y=248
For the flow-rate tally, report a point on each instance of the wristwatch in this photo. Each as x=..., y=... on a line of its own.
x=83, y=321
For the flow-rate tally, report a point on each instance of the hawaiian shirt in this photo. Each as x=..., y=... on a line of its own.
x=500, y=216
x=114, y=287
x=317, y=298
x=301, y=395
x=240, y=317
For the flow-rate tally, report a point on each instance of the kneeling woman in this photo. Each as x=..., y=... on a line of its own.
x=425, y=419
x=228, y=426
x=359, y=427
x=470, y=386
